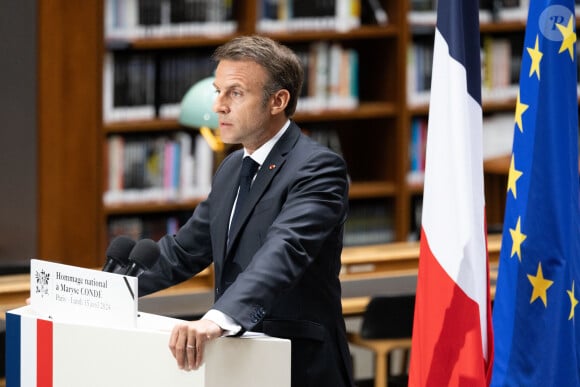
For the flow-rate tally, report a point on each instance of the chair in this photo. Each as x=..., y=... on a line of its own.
x=387, y=325
x=2, y=349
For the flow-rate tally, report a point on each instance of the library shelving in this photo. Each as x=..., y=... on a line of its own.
x=79, y=115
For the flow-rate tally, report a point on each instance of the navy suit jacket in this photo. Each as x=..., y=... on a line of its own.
x=278, y=273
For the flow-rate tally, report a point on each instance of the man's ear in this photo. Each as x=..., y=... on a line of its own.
x=279, y=101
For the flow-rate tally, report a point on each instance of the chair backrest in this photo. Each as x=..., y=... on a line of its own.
x=2, y=348
x=388, y=317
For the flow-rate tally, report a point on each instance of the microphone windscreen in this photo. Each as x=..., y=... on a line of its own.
x=145, y=253
x=119, y=249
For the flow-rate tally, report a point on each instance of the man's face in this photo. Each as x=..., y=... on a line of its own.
x=243, y=116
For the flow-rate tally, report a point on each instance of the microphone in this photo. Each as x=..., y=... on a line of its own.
x=118, y=253
x=143, y=256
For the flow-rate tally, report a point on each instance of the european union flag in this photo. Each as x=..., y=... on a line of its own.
x=538, y=288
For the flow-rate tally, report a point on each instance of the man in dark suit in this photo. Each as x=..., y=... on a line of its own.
x=277, y=262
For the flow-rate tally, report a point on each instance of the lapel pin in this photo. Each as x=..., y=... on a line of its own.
x=272, y=166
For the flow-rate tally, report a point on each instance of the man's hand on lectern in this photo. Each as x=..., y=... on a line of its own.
x=188, y=340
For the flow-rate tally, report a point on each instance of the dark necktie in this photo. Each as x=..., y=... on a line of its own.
x=249, y=168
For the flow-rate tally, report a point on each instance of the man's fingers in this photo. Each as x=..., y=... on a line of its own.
x=173, y=340
x=187, y=342
x=178, y=343
x=191, y=351
x=198, y=355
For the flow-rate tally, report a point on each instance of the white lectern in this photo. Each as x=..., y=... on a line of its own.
x=60, y=354
x=82, y=328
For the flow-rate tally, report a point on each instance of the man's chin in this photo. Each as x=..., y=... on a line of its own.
x=229, y=140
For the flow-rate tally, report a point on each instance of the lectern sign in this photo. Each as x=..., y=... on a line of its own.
x=72, y=293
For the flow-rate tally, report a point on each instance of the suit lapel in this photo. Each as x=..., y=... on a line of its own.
x=266, y=173
x=220, y=231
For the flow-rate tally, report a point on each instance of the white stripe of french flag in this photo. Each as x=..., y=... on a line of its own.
x=452, y=335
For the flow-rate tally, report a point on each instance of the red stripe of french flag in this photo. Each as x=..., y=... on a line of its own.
x=44, y=353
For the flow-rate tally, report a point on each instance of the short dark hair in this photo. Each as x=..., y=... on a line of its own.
x=282, y=65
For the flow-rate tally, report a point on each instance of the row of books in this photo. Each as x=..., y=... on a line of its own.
x=331, y=77
x=419, y=70
x=157, y=168
x=170, y=167
x=366, y=224
x=417, y=147
x=290, y=15
x=133, y=19
x=498, y=133
x=369, y=223
x=501, y=58
x=424, y=12
x=498, y=129
x=324, y=135
x=145, y=85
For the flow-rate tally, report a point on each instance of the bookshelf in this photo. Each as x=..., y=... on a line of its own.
x=73, y=132
x=502, y=27
x=371, y=125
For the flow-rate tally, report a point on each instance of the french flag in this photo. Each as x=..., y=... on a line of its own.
x=452, y=341
x=28, y=342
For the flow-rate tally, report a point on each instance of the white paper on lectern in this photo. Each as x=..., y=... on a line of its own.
x=70, y=293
